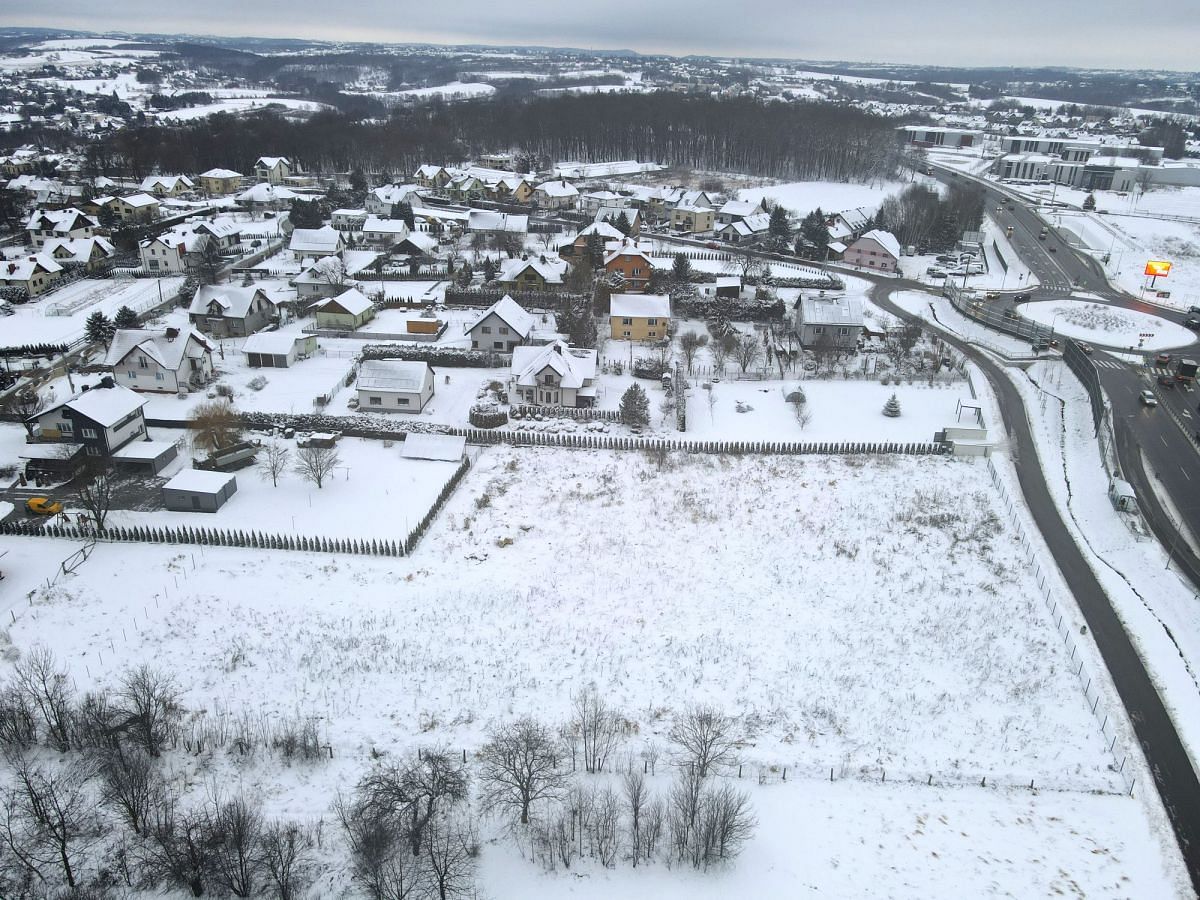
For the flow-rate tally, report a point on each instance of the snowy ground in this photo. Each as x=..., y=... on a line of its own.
x=36, y=322
x=540, y=577
x=1016, y=277
x=236, y=105
x=1108, y=325
x=802, y=197
x=938, y=311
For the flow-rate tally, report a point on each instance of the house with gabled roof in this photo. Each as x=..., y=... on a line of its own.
x=314, y=243
x=828, y=321
x=554, y=375
x=612, y=214
x=265, y=195
x=46, y=224
x=428, y=176
x=639, y=317
x=348, y=311
x=34, y=274
x=578, y=246
x=102, y=419
x=631, y=262
x=227, y=310
x=135, y=208
x=876, y=249
x=174, y=251
x=737, y=210
x=394, y=385
x=383, y=233
x=740, y=231
x=534, y=274
x=558, y=194
x=492, y=222
x=165, y=361
x=167, y=185
x=385, y=200
x=272, y=169
x=503, y=326
x=90, y=253
x=849, y=223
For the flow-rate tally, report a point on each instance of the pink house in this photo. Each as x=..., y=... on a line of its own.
x=876, y=249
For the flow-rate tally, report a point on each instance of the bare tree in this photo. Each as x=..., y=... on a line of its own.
x=316, y=464
x=450, y=852
x=606, y=827
x=179, y=848
x=48, y=822
x=748, y=350
x=706, y=737
x=690, y=343
x=520, y=766
x=382, y=860
x=96, y=491
x=746, y=264
x=274, y=461
x=598, y=728
x=215, y=424
x=720, y=349
x=149, y=700
x=636, y=797
x=28, y=404
x=237, y=832
x=414, y=792
x=44, y=685
x=18, y=718
x=727, y=821
x=284, y=849
x=130, y=786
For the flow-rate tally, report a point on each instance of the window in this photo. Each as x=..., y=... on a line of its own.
x=88, y=433
x=503, y=330
x=486, y=329
x=636, y=272
x=627, y=321
x=843, y=331
x=818, y=329
x=158, y=376
x=375, y=401
x=625, y=334
x=153, y=263
x=497, y=345
x=142, y=363
x=651, y=334
x=652, y=321
x=66, y=427
x=93, y=451
x=131, y=373
x=402, y=401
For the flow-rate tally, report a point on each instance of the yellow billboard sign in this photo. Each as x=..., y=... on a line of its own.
x=1158, y=267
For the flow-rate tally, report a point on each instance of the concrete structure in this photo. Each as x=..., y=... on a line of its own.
x=688, y=219
x=936, y=136
x=393, y=385
x=198, y=490
x=272, y=169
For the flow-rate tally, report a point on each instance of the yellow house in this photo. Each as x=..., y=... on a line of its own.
x=347, y=311
x=692, y=219
x=135, y=208
x=639, y=317
x=218, y=182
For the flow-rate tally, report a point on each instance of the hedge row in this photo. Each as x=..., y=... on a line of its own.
x=438, y=356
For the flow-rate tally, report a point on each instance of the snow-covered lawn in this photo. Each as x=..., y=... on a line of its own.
x=1108, y=325
x=59, y=316
x=372, y=493
x=865, y=615
x=801, y=197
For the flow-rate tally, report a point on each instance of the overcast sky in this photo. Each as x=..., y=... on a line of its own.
x=1092, y=33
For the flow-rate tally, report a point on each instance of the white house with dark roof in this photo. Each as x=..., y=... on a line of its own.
x=347, y=311
x=503, y=326
x=167, y=185
x=166, y=361
x=174, y=251
x=89, y=253
x=314, y=243
x=878, y=250
x=35, y=274
x=558, y=194
x=736, y=210
x=226, y=310
x=382, y=233
x=554, y=375
x=394, y=385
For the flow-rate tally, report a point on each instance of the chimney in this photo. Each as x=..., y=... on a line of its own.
x=107, y=382
x=172, y=333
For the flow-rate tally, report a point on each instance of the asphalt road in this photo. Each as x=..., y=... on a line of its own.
x=1174, y=776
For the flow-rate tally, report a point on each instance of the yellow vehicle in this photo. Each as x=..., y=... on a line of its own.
x=43, y=506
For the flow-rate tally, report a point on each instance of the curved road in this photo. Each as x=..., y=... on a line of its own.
x=1174, y=775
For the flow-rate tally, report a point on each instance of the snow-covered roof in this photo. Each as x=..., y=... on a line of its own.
x=855, y=218
x=557, y=189
x=220, y=173
x=200, y=481
x=512, y=314
x=551, y=270
x=105, y=405
x=751, y=225
x=604, y=229
x=489, y=220
x=573, y=365
x=264, y=192
x=613, y=211
x=446, y=447
x=399, y=193
x=274, y=343
x=271, y=162
x=884, y=239
x=233, y=300
x=143, y=450
x=352, y=301
x=423, y=242
x=78, y=249
x=62, y=221
x=831, y=310
x=326, y=239
x=640, y=306
x=376, y=225
x=183, y=237
x=139, y=200
x=392, y=375
x=740, y=208
x=167, y=352
x=627, y=250
x=26, y=267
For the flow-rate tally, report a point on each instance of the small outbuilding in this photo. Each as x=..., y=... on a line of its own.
x=145, y=457
x=277, y=350
x=198, y=490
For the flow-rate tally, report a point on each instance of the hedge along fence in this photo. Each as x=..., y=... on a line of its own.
x=257, y=540
x=566, y=412
x=439, y=356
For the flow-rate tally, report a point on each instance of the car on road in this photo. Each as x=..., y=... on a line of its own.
x=1167, y=381
x=1010, y=206
x=1020, y=297
x=1194, y=310
x=936, y=273
x=1086, y=348
x=1147, y=398
x=1192, y=322
x=43, y=506
x=992, y=295
x=1163, y=359
x=1052, y=249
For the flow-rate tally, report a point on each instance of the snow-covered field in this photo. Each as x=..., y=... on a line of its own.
x=35, y=322
x=242, y=104
x=860, y=615
x=803, y=197
x=1108, y=325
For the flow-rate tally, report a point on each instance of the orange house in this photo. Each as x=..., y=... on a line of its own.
x=633, y=265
